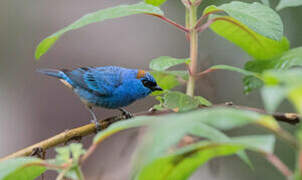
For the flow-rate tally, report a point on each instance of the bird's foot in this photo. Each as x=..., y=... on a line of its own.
x=39, y=152
x=98, y=126
x=126, y=113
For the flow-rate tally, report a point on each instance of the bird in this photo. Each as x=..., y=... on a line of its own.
x=111, y=87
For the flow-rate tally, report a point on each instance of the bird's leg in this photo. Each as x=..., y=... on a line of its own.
x=94, y=119
x=126, y=113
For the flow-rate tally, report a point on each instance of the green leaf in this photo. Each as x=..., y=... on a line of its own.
x=295, y=96
x=257, y=46
x=286, y=61
x=182, y=74
x=180, y=102
x=98, y=16
x=288, y=3
x=244, y=28
x=289, y=78
x=259, y=143
x=203, y=101
x=289, y=81
x=182, y=163
x=164, y=62
x=65, y=153
x=165, y=80
x=24, y=168
x=272, y=97
x=257, y=17
x=250, y=83
x=123, y=125
x=155, y=2
x=205, y=131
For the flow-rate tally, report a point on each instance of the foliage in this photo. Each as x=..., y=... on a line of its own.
x=256, y=29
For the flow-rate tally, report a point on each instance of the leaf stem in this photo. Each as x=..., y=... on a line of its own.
x=170, y=22
x=202, y=18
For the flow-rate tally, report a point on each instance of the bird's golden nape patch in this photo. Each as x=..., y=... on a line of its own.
x=140, y=74
x=66, y=83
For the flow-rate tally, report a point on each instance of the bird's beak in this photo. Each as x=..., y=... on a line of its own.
x=157, y=88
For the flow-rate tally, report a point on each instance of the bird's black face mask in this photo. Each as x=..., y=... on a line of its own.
x=151, y=85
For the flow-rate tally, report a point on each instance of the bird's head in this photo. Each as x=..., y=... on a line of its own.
x=148, y=81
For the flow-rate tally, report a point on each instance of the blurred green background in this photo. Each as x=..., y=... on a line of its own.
x=34, y=107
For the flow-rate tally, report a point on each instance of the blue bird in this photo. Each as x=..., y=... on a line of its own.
x=109, y=87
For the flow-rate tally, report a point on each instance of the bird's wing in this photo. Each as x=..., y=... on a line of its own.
x=100, y=81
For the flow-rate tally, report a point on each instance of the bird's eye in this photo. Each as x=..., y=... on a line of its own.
x=148, y=84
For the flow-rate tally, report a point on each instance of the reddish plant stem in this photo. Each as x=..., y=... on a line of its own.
x=170, y=22
x=200, y=74
x=202, y=18
x=275, y=161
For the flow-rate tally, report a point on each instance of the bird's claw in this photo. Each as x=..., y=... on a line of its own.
x=127, y=115
x=38, y=151
x=98, y=126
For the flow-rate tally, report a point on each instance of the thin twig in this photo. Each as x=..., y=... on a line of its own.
x=200, y=74
x=202, y=18
x=170, y=22
x=275, y=161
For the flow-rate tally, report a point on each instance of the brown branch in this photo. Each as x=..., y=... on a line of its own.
x=63, y=137
x=89, y=129
x=290, y=118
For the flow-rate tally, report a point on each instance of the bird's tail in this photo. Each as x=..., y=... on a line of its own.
x=53, y=72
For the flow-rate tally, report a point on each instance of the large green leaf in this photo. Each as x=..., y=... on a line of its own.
x=98, y=16
x=257, y=46
x=24, y=168
x=205, y=131
x=155, y=2
x=288, y=3
x=173, y=127
x=164, y=62
x=259, y=18
x=245, y=33
x=185, y=162
x=182, y=163
x=287, y=60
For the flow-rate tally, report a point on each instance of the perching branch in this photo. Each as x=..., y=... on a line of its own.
x=89, y=129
